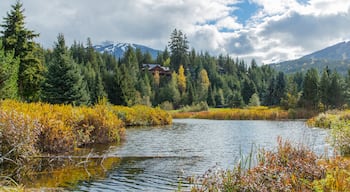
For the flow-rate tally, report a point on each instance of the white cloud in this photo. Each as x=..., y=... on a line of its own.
x=228, y=23
x=279, y=30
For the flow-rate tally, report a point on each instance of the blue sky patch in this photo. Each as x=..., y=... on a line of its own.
x=245, y=10
x=303, y=2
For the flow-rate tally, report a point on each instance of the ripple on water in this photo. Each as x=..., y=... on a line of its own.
x=154, y=159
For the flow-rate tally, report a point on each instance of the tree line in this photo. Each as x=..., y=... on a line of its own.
x=79, y=75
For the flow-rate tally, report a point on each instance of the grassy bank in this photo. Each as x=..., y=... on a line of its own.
x=250, y=113
x=288, y=168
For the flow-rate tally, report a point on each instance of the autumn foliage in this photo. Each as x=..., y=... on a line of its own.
x=289, y=168
x=28, y=129
x=142, y=115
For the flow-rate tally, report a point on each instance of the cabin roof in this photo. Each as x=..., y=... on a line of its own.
x=151, y=67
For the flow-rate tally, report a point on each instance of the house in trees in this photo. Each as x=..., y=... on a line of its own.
x=153, y=68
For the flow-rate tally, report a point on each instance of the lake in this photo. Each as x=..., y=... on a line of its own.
x=156, y=158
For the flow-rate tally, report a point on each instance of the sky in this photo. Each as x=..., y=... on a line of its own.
x=266, y=30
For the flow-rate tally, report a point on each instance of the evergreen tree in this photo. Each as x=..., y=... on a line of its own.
x=248, y=89
x=127, y=86
x=280, y=88
x=325, y=84
x=64, y=83
x=270, y=98
x=179, y=48
x=292, y=96
x=170, y=92
x=93, y=73
x=18, y=39
x=8, y=75
x=211, y=96
x=235, y=100
x=336, y=91
x=310, y=95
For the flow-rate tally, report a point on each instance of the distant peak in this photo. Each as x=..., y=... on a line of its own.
x=118, y=48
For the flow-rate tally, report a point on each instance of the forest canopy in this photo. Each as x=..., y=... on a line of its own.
x=80, y=75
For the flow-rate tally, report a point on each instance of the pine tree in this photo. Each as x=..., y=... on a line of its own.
x=8, y=75
x=310, y=95
x=280, y=88
x=93, y=74
x=18, y=39
x=64, y=83
x=248, y=89
x=336, y=91
x=127, y=86
x=325, y=84
x=179, y=48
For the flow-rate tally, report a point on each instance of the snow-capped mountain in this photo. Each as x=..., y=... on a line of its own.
x=118, y=49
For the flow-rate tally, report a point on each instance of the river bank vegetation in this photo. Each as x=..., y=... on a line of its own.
x=29, y=131
x=339, y=124
x=248, y=113
x=291, y=167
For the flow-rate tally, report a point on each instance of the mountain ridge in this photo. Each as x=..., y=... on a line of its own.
x=118, y=49
x=336, y=57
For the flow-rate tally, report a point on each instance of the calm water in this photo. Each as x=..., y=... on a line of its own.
x=155, y=158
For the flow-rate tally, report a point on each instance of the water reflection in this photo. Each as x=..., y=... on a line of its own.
x=155, y=159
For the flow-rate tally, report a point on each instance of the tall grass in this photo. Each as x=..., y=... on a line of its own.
x=250, y=113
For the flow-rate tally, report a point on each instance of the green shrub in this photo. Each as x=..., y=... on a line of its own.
x=166, y=105
x=202, y=106
x=340, y=132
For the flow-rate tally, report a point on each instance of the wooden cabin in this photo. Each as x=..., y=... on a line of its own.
x=152, y=68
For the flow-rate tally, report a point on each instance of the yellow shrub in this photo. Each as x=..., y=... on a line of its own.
x=63, y=127
x=142, y=115
x=98, y=125
x=251, y=113
x=18, y=136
